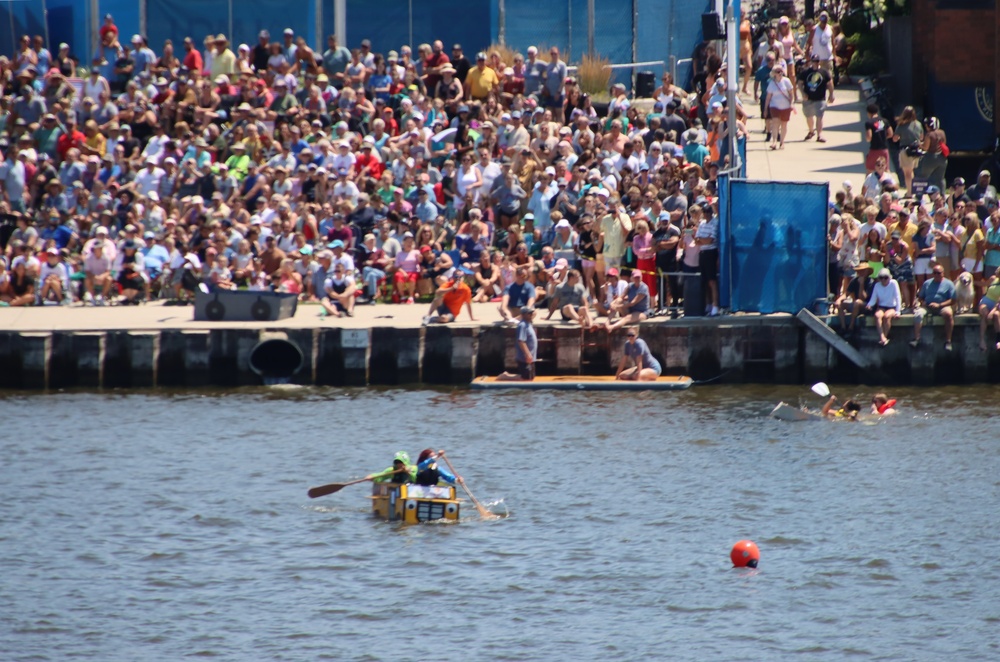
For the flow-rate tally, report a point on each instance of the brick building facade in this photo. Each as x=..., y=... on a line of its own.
x=956, y=58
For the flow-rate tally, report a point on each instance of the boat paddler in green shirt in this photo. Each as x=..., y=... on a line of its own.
x=401, y=471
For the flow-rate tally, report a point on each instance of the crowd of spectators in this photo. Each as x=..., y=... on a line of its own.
x=350, y=176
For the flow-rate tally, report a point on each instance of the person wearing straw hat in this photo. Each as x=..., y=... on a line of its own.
x=858, y=291
x=224, y=63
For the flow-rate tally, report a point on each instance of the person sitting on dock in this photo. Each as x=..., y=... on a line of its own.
x=451, y=295
x=885, y=301
x=613, y=292
x=645, y=367
x=634, y=305
x=340, y=290
x=401, y=471
x=571, y=299
x=849, y=411
x=859, y=291
x=519, y=294
x=428, y=471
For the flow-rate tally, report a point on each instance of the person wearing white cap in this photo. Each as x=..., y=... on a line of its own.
x=534, y=73
x=887, y=302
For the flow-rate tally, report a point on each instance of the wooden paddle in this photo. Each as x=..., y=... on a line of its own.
x=483, y=512
x=323, y=490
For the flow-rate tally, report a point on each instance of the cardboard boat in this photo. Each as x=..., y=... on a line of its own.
x=412, y=504
x=786, y=412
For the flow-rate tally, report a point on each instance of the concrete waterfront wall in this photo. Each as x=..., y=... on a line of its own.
x=752, y=349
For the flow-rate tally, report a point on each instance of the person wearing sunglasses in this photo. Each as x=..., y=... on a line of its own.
x=887, y=304
x=936, y=296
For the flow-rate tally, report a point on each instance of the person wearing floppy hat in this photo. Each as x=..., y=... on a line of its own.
x=694, y=148
x=855, y=297
x=225, y=62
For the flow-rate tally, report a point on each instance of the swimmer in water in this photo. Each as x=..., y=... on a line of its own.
x=882, y=405
x=850, y=410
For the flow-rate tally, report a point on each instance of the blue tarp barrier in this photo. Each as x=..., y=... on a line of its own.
x=773, y=245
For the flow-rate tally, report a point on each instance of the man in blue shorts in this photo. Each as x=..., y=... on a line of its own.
x=527, y=349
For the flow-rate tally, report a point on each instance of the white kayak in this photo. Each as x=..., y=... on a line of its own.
x=787, y=412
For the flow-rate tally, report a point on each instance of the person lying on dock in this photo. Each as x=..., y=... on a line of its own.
x=401, y=471
x=428, y=471
x=849, y=411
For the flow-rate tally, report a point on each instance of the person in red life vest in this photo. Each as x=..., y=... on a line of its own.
x=883, y=405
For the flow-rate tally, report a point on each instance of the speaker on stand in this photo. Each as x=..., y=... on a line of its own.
x=711, y=27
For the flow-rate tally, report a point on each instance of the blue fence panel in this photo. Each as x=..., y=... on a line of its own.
x=21, y=17
x=541, y=24
x=126, y=15
x=69, y=22
x=773, y=246
x=176, y=19
x=385, y=23
x=252, y=16
x=472, y=25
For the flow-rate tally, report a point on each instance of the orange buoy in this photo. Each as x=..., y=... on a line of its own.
x=745, y=554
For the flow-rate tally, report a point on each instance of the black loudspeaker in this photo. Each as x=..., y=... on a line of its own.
x=244, y=306
x=645, y=84
x=711, y=27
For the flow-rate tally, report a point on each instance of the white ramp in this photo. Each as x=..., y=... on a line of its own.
x=830, y=337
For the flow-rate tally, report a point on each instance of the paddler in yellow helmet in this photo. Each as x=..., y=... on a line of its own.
x=401, y=471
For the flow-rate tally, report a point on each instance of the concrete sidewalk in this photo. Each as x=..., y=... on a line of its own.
x=840, y=158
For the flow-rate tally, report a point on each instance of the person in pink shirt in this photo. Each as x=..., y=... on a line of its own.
x=407, y=269
x=645, y=255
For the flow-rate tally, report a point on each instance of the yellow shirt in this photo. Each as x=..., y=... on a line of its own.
x=614, y=240
x=906, y=234
x=972, y=246
x=224, y=63
x=481, y=83
x=98, y=143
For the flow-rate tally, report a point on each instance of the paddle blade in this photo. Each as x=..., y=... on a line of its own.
x=323, y=490
x=821, y=389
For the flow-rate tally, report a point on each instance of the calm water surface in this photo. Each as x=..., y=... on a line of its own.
x=173, y=525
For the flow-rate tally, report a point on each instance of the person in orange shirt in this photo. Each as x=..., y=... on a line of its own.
x=449, y=298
